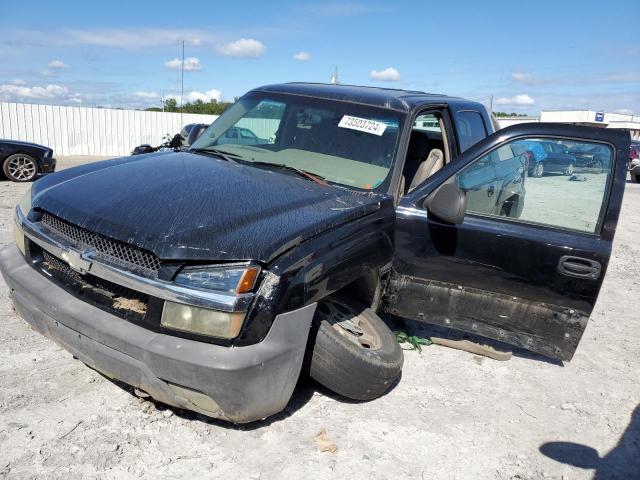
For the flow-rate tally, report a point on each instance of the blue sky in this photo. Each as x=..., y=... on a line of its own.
x=529, y=55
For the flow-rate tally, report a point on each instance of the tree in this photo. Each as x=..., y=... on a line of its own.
x=170, y=105
x=197, y=106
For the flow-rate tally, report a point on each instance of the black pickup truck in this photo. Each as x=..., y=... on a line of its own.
x=210, y=278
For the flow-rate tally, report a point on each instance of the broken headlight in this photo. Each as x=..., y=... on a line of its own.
x=235, y=279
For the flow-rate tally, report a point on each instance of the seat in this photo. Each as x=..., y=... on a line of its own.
x=433, y=163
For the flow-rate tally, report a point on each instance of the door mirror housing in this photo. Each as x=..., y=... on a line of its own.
x=447, y=204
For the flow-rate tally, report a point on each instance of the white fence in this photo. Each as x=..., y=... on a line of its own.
x=90, y=131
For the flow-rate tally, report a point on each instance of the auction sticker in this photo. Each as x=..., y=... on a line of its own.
x=362, y=125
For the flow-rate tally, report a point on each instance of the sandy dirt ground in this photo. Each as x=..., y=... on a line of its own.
x=452, y=416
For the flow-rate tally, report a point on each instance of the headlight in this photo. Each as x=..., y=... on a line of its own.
x=201, y=320
x=234, y=279
x=18, y=235
x=237, y=279
x=25, y=203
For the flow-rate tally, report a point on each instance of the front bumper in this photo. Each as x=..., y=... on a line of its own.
x=238, y=384
x=47, y=165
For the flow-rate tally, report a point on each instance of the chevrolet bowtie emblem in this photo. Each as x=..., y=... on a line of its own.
x=76, y=260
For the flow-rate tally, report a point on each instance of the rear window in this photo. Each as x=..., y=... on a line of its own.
x=471, y=128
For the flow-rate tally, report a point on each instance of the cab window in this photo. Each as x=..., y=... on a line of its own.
x=471, y=128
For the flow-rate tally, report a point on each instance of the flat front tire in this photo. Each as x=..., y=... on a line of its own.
x=20, y=167
x=352, y=351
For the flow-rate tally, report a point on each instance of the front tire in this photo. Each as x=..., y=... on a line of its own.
x=20, y=167
x=637, y=179
x=352, y=351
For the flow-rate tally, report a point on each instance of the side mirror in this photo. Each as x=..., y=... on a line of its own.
x=447, y=204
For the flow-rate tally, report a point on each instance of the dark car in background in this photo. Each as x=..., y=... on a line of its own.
x=549, y=157
x=595, y=158
x=23, y=161
x=634, y=161
x=191, y=132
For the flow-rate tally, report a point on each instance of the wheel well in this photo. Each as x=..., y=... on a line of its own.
x=367, y=288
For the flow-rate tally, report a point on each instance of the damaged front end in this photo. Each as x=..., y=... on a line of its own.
x=164, y=329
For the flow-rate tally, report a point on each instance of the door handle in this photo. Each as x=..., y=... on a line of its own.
x=491, y=190
x=579, y=267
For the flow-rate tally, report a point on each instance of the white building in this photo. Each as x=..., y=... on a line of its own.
x=581, y=117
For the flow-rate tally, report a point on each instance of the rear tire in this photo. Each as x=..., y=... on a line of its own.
x=352, y=351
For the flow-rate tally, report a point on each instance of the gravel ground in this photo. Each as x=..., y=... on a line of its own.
x=452, y=416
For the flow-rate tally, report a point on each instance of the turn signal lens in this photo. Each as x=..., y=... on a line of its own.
x=248, y=280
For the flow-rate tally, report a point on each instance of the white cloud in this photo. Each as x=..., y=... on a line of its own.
x=18, y=81
x=389, y=74
x=57, y=64
x=302, y=56
x=243, y=48
x=191, y=64
x=206, y=97
x=523, y=77
x=146, y=95
x=12, y=93
x=522, y=100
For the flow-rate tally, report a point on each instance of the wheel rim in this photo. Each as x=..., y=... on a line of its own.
x=539, y=170
x=21, y=168
x=350, y=325
x=570, y=169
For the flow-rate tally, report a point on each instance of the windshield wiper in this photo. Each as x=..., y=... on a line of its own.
x=303, y=173
x=225, y=155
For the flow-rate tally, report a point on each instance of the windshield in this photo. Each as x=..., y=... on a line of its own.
x=344, y=143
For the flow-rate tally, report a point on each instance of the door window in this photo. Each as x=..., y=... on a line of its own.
x=520, y=181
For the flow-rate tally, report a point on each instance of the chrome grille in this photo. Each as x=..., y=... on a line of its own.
x=113, y=251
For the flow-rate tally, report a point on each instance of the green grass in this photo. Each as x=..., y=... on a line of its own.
x=414, y=341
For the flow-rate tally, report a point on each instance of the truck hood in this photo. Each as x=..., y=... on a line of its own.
x=188, y=206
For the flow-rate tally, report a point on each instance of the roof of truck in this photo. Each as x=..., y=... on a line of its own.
x=396, y=99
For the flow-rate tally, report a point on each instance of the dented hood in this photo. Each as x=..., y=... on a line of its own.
x=187, y=206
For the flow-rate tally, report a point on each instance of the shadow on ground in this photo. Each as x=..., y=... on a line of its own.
x=623, y=462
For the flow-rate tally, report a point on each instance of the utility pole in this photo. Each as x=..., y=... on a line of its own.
x=182, y=85
x=491, y=103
